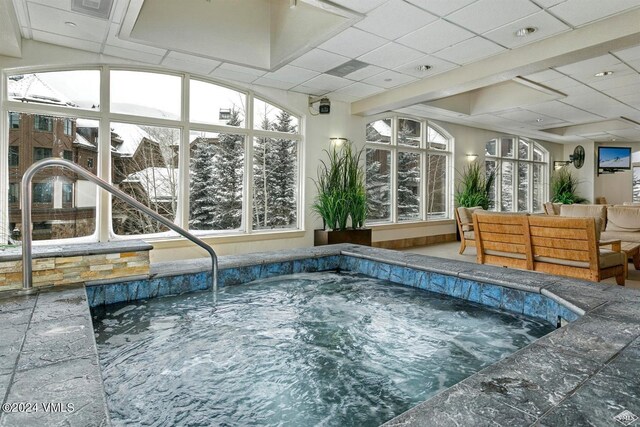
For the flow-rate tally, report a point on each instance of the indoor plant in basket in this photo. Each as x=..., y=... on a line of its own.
x=341, y=201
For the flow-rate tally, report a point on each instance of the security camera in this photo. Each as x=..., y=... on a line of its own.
x=324, y=106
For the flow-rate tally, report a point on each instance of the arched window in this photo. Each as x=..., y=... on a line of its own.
x=189, y=161
x=521, y=168
x=407, y=170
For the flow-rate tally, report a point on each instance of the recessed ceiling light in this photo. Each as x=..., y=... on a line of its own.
x=523, y=32
x=603, y=73
x=70, y=24
x=539, y=120
x=423, y=67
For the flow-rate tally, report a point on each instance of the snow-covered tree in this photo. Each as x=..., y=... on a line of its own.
x=201, y=171
x=408, y=178
x=378, y=183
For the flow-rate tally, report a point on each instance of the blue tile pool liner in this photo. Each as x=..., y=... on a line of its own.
x=530, y=304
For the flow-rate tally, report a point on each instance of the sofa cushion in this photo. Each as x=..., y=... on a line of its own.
x=595, y=211
x=625, y=236
x=466, y=217
x=608, y=259
x=623, y=219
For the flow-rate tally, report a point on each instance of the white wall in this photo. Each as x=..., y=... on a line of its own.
x=318, y=130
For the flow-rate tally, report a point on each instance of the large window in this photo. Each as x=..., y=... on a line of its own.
x=521, y=174
x=407, y=170
x=207, y=165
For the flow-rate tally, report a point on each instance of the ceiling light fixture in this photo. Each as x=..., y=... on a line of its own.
x=539, y=120
x=523, y=32
x=424, y=67
x=603, y=73
x=70, y=24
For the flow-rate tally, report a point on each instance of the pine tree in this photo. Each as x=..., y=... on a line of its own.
x=378, y=183
x=226, y=179
x=282, y=188
x=260, y=185
x=201, y=201
x=408, y=179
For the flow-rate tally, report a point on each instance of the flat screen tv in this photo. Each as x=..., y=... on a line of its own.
x=614, y=157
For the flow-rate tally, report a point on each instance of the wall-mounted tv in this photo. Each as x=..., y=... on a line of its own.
x=614, y=157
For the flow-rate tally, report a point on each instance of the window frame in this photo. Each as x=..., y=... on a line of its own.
x=424, y=150
x=105, y=116
x=499, y=159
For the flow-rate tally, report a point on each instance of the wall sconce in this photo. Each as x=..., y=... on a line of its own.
x=471, y=157
x=338, y=141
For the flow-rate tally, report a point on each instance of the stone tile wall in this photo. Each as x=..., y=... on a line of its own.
x=76, y=269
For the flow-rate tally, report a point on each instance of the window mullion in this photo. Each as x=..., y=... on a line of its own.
x=184, y=159
x=247, y=217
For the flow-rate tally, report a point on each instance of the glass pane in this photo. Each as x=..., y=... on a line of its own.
x=146, y=94
x=506, y=187
x=379, y=131
x=216, y=181
x=275, y=183
x=490, y=167
x=378, y=183
x=506, y=147
x=218, y=105
x=436, y=140
x=408, y=186
x=538, y=187
x=523, y=150
x=75, y=89
x=269, y=117
x=523, y=187
x=409, y=132
x=145, y=166
x=538, y=153
x=64, y=204
x=490, y=148
x=436, y=186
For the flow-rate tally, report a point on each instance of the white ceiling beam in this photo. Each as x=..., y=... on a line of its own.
x=10, y=37
x=614, y=33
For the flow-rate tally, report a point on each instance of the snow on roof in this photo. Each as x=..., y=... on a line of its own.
x=382, y=127
x=81, y=140
x=30, y=88
x=131, y=135
x=86, y=123
x=159, y=183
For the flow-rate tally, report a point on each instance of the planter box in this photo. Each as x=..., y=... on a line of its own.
x=361, y=236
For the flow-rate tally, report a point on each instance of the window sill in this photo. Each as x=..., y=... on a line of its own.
x=411, y=224
x=163, y=242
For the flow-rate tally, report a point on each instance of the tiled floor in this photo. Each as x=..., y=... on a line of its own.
x=450, y=251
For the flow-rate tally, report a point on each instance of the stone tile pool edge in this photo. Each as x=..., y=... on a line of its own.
x=560, y=379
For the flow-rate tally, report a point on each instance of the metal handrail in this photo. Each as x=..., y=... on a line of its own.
x=27, y=276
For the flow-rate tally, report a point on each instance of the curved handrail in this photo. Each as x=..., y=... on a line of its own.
x=27, y=276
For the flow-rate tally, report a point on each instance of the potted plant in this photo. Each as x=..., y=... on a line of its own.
x=474, y=187
x=341, y=201
x=564, y=188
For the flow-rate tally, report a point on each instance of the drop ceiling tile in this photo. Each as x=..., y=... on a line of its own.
x=635, y=64
x=485, y=15
x=45, y=37
x=632, y=99
x=395, y=19
x=327, y=82
x=564, y=112
x=359, y=90
x=441, y=7
x=114, y=40
x=309, y=90
x=362, y=6
x=391, y=55
x=548, y=3
x=133, y=55
x=469, y=51
x=544, y=76
x=435, y=36
x=191, y=63
x=630, y=54
x=353, y=43
x=437, y=66
x=291, y=74
x=623, y=90
x=389, y=79
x=319, y=60
x=363, y=73
x=581, y=12
x=227, y=74
x=580, y=89
x=546, y=26
x=531, y=118
x=263, y=81
x=599, y=104
x=630, y=134
x=52, y=20
x=242, y=69
x=614, y=81
x=562, y=83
